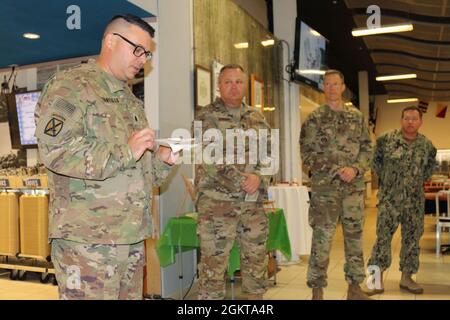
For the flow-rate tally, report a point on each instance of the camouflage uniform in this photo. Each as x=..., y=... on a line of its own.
x=224, y=215
x=402, y=169
x=330, y=140
x=106, y=271
x=99, y=194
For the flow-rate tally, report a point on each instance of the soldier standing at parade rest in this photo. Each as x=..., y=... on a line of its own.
x=224, y=213
x=102, y=161
x=403, y=160
x=336, y=147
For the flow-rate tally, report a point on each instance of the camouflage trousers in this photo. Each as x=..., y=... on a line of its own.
x=326, y=208
x=98, y=272
x=220, y=224
x=412, y=221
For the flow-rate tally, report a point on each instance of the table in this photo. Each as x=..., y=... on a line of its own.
x=294, y=200
x=181, y=233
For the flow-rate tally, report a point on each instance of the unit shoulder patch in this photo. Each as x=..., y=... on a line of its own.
x=53, y=127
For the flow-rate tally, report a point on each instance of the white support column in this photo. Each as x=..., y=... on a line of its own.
x=176, y=111
x=284, y=13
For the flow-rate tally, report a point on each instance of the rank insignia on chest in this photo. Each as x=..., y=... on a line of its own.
x=53, y=127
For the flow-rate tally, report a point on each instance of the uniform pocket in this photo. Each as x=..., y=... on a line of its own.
x=99, y=126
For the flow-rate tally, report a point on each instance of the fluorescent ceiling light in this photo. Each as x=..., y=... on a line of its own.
x=402, y=100
x=397, y=77
x=242, y=45
x=32, y=36
x=267, y=43
x=311, y=71
x=386, y=29
x=315, y=33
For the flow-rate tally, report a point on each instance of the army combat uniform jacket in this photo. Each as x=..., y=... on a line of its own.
x=330, y=140
x=221, y=181
x=99, y=193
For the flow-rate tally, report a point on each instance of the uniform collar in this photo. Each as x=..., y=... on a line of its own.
x=221, y=106
x=399, y=135
x=344, y=108
x=113, y=83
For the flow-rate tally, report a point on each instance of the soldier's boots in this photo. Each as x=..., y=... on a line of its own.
x=355, y=293
x=377, y=291
x=408, y=284
x=317, y=294
x=258, y=296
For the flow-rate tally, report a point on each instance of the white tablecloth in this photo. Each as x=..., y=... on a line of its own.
x=294, y=200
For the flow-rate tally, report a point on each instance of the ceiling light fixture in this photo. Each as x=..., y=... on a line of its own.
x=311, y=71
x=267, y=43
x=402, y=100
x=32, y=36
x=385, y=29
x=397, y=77
x=242, y=45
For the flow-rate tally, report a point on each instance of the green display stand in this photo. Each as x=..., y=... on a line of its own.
x=180, y=233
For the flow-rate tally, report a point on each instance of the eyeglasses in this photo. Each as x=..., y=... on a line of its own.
x=138, y=50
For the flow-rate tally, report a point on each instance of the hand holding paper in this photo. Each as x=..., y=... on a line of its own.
x=167, y=155
x=177, y=144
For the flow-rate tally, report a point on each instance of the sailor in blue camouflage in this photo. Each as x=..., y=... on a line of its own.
x=97, y=146
x=336, y=147
x=224, y=213
x=403, y=160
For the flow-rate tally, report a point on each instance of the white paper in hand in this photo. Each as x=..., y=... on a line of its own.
x=252, y=197
x=177, y=144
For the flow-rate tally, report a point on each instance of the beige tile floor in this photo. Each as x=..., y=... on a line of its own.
x=434, y=273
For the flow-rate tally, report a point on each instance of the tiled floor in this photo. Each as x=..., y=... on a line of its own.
x=434, y=273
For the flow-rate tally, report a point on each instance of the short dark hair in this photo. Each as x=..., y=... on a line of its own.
x=334, y=71
x=130, y=18
x=412, y=108
x=231, y=66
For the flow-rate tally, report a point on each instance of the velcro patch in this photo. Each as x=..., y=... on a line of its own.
x=53, y=127
x=63, y=106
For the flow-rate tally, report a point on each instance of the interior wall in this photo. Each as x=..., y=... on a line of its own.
x=434, y=128
x=218, y=25
x=310, y=99
x=256, y=8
